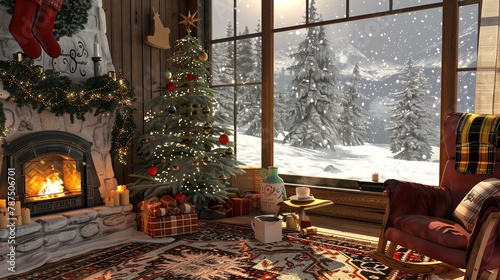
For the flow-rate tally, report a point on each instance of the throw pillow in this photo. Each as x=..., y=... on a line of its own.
x=467, y=211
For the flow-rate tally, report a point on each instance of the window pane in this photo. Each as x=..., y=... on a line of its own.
x=248, y=16
x=289, y=12
x=248, y=60
x=468, y=34
x=225, y=98
x=466, y=91
x=222, y=17
x=343, y=87
x=401, y=4
x=363, y=7
x=223, y=63
x=249, y=113
x=331, y=9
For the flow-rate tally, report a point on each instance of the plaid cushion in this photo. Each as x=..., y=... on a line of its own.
x=467, y=211
x=477, y=138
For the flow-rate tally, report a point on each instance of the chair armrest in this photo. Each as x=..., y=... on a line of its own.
x=409, y=198
x=490, y=205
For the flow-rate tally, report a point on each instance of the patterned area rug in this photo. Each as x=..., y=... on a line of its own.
x=227, y=251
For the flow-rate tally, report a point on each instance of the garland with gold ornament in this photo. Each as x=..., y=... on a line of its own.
x=31, y=85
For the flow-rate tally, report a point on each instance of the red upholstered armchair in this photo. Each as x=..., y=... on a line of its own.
x=420, y=217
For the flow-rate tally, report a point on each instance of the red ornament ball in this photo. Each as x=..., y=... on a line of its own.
x=190, y=77
x=170, y=86
x=223, y=139
x=181, y=198
x=152, y=170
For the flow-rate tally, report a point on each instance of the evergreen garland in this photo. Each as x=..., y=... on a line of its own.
x=69, y=21
x=31, y=85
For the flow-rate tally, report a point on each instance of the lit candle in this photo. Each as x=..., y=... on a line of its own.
x=116, y=196
x=3, y=203
x=124, y=197
x=17, y=208
x=121, y=188
x=26, y=215
x=97, y=49
x=4, y=218
x=375, y=177
x=109, y=201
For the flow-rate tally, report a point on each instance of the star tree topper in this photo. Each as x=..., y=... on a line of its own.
x=189, y=20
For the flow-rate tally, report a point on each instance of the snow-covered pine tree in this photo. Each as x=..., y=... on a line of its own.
x=249, y=97
x=223, y=61
x=317, y=91
x=412, y=128
x=354, y=119
x=223, y=72
x=187, y=147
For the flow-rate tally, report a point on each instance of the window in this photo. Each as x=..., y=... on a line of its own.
x=354, y=79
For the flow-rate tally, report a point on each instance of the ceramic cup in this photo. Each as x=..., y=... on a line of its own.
x=302, y=192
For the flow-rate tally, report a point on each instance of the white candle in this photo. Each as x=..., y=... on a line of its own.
x=19, y=221
x=124, y=197
x=97, y=49
x=17, y=208
x=26, y=215
x=3, y=203
x=109, y=201
x=4, y=218
x=116, y=196
x=375, y=177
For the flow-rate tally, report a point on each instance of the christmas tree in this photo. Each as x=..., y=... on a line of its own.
x=187, y=147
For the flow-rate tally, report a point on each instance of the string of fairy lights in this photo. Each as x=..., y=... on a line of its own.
x=31, y=85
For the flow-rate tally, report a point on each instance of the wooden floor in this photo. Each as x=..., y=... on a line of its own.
x=347, y=228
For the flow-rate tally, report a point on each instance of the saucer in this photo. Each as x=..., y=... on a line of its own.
x=296, y=198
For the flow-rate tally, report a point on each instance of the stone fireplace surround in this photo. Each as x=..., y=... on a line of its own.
x=47, y=234
x=22, y=121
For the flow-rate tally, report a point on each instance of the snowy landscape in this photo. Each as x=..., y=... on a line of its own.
x=354, y=162
x=382, y=63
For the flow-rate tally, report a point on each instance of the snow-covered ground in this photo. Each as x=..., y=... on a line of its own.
x=353, y=162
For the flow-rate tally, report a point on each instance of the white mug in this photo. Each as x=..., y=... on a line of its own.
x=302, y=192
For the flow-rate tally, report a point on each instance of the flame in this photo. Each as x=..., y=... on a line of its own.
x=53, y=186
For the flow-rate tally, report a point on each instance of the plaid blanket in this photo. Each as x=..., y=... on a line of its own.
x=477, y=139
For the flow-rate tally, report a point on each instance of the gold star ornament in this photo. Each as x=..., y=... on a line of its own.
x=189, y=21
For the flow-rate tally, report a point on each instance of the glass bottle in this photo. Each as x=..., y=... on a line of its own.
x=272, y=190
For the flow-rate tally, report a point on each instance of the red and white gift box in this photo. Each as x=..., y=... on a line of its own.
x=168, y=225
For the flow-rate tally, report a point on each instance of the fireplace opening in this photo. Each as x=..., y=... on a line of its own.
x=53, y=170
x=52, y=176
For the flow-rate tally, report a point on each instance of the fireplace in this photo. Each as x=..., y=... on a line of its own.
x=53, y=172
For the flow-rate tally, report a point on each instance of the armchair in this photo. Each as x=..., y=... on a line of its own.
x=420, y=217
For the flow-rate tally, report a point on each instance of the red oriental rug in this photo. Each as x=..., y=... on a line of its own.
x=227, y=251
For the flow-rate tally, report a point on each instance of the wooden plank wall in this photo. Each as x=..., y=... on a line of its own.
x=128, y=22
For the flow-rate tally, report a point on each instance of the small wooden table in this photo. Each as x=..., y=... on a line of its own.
x=302, y=206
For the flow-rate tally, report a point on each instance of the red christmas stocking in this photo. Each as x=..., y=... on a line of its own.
x=21, y=24
x=44, y=26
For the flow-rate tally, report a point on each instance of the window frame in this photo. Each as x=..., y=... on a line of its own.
x=449, y=71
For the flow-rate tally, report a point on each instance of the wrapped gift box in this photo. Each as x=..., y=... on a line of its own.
x=254, y=198
x=248, y=181
x=238, y=206
x=168, y=225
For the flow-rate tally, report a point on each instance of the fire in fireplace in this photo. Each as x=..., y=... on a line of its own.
x=54, y=172
x=51, y=176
